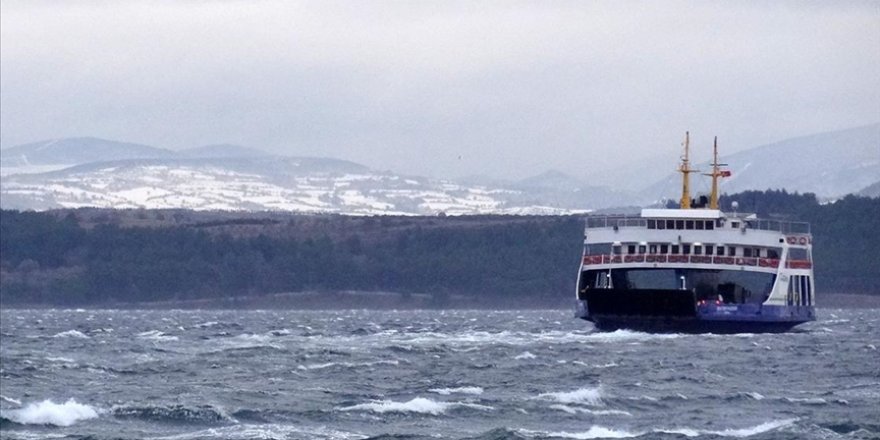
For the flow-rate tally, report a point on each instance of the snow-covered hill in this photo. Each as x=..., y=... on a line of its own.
x=271, y=183
x=230, y=177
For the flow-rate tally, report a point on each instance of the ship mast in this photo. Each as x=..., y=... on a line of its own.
x=715, y=174
x=685, y=169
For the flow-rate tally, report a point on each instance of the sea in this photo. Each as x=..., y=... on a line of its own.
x=427, y=374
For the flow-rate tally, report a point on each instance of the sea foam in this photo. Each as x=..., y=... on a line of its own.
x=419, y=405
x=588, y=396
x=71, y=334
x=48, y=412
x=597, y=432
x=593, y=432
x=459, y=390
x=156, y=335
x=742, y=432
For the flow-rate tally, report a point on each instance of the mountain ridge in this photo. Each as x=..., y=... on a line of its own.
x=233, y=177
x=829, y=164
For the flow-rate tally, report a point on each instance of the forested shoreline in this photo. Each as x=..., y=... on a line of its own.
x=95, y=257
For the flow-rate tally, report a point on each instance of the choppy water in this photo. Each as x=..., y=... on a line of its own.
x=427, y=374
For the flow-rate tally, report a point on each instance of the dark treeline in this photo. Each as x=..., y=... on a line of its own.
x=82, y=257
x=51, y=258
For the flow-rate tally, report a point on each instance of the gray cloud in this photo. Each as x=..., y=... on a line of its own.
x=510, y=88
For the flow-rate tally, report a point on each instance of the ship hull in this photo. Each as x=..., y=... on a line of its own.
x=693, y=325
x=677, y=311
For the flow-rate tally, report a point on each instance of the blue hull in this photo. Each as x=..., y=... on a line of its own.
x=707, y=318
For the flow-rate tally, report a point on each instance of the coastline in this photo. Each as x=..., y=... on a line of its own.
x=380, y=300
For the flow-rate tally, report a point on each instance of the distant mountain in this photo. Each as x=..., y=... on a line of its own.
x=564, y=191
x=74, y=151
x=872, y=190
x=828, y=164
x=223, y=151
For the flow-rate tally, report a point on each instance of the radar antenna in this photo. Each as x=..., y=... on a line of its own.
x=685, y=169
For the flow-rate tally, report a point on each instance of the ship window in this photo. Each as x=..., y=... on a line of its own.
x=652, y=249
x=720, y=250
x=689, y=224
x=747, y=252
x=757, y=252
x=773, y=253
x=700, y=224
x=642, y=248
x=661, y=224
x=709, y=249
x=731, y=251
x=652, y=224
x=631, y=249
x=686, y=249
x=710, y=225
x=797, y=254
x=617, y=249
x=734, y=225
x=698, y=250
x=599, y=249
x=679, y=224
x=674, y=249
x=664, y=248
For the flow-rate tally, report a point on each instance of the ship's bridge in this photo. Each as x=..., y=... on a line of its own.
x=696, y=236
x=691, y=221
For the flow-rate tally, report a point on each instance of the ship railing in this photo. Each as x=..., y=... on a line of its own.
x=697, y=259
x=783, y=226
x=632, y=221
x=620, y=221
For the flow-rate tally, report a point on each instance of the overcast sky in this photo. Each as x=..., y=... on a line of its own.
x=505, y=89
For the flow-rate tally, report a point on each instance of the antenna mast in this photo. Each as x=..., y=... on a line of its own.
x=715, y=174
x=685, y=169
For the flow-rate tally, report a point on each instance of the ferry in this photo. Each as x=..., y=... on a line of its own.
x=696, y=269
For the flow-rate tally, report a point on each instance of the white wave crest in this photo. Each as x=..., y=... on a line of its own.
x=459, y=390
x=48, y=412
x=71, y=334
x=525, y=355
x=597, y=412
x=806, y=400
x=419, y=405
x=593, y=432
x=742, y=432
x=588, y=396
x=156, y=335
x=596, y=432
x=347, y=364
x=10, y=400
x=626, y=335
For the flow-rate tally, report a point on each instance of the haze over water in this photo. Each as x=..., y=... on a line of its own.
x=427, y=374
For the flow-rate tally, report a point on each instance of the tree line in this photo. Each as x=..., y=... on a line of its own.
x=78, y=257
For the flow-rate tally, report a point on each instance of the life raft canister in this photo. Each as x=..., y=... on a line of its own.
x=802, y=240
x=792, y=240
